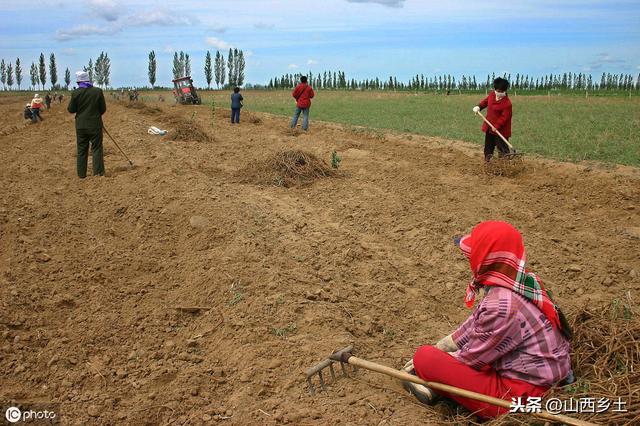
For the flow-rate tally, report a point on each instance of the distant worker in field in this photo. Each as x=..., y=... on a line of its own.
x=36, y=106
x=514, y=345
x=499, y=111
x=47, y=101
x=88, y=103
x=236, y=104
x=303, y=94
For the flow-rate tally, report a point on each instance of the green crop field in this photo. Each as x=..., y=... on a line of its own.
x=569, y=128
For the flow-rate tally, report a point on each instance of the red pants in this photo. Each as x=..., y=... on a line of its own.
x=434, y=365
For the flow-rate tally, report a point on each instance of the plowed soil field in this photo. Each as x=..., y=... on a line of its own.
x=99, y=277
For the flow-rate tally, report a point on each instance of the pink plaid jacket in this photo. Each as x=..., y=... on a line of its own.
x=511, y=335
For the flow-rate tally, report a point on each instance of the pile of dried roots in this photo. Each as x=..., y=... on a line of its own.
x=287, y=169
x=189, y=130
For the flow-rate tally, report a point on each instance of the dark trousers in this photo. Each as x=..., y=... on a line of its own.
x=235, y=115
x=35, y=115
x=492, y=141
x=84, y=138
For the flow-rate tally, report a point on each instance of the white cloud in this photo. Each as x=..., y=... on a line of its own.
x=169, y=49
x=292, y=66
x=109, y=10
x=83, y=31
x=159, y=17
x=68, y=51
x=312, y=62
x=218, y=29
x=217, y=43
x=112, y=11
x=602, y=59
x=248, y=53
x=389, y=3
x=263, y=26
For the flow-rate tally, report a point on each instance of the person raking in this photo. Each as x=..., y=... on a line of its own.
x=499, y=113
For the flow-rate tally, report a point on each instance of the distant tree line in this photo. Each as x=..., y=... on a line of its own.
x=215, y=70
x=181, y=65
x=567, y=81
x=9, y=73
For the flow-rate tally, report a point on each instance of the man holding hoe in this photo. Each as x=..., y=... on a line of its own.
x=88, y=103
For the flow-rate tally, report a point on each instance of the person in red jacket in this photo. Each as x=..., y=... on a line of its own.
x=36, y=106
x=499, y=113
x=303, y=94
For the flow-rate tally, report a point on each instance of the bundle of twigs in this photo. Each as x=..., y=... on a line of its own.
x=288, y=169
x=189, y=130
x=606, y=362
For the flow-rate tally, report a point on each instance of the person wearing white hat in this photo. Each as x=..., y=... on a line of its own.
x=88, y=103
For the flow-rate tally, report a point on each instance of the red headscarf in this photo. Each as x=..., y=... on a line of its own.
x=497, y=257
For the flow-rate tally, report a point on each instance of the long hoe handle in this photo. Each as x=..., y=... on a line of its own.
x=496, y=130
x=114, y=141
x=368, y=365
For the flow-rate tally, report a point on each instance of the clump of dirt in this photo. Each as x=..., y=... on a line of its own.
x=288, y=169
x=508, y=167
x=143, y=108
x=253, y=119
x=188, y=130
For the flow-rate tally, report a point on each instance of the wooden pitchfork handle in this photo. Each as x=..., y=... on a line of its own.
x=346, y=357
x=496, y=130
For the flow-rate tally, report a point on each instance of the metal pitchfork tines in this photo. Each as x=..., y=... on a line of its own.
x=328, y=363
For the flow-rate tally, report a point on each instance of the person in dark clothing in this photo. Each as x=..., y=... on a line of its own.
x=88, y=103
x=47, y=101
x=499, y=114
x=302, y=94
x=236, y=104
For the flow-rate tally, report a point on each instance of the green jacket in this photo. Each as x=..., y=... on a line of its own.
x=89, y=105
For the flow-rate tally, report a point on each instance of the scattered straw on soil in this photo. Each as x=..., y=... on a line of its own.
x=287, y=169
x=188, y=130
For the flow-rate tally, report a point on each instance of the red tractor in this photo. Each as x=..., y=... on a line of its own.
x=184, y=91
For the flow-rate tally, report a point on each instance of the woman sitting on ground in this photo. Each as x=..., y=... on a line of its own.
x=514, y=345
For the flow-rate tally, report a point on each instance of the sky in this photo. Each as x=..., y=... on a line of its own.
x=363, y=38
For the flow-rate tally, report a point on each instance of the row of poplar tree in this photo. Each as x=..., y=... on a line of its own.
x=233, y=69
x=567, y=81
x=99, y=72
